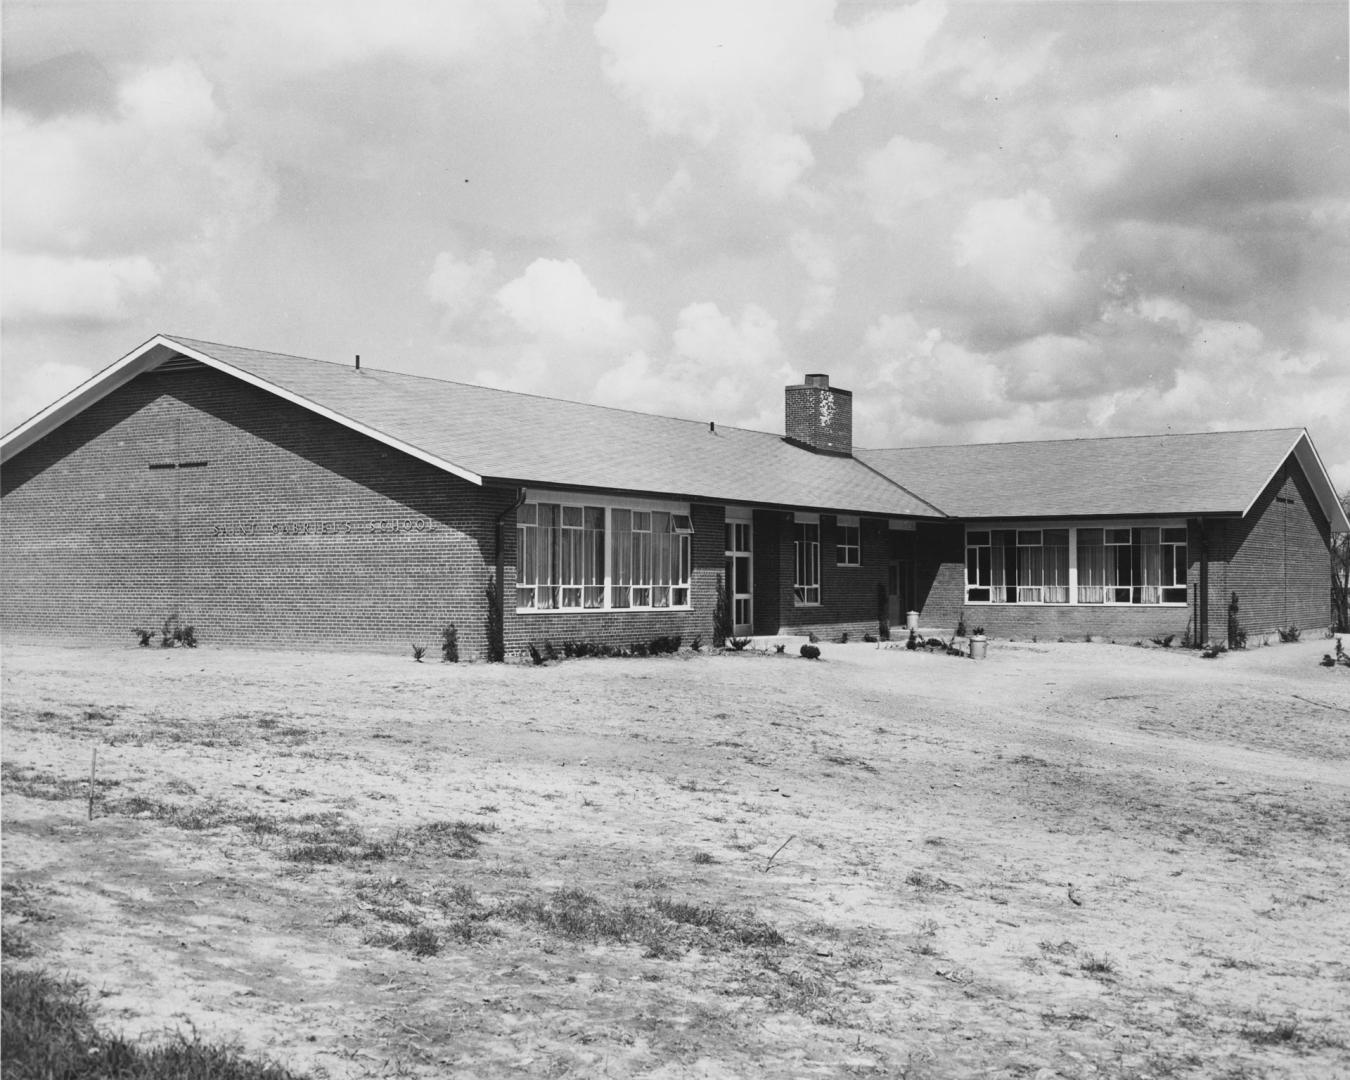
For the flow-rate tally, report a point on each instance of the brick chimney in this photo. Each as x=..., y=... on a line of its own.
x=819, y=416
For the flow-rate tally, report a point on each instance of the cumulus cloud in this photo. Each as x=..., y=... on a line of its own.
x=103, y=210
x=1022, y=251
x=816, y=257
x=757, y=75
x=553, y=332
x=731, y=370
x=554, y=302
x=41, y=287
x=460, y=285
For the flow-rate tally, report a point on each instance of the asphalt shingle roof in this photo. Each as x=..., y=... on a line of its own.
x=1217, y=472
x=521, y=438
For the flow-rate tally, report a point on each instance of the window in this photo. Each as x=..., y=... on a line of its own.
x=593, y=557
x=848, y=548
x=1018, y=566
x=1174, y=566
x=1110, y=565
x=806, y=586
x=978, y=558
x=561, y=554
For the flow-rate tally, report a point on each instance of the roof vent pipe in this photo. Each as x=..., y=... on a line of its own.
x=358, y=361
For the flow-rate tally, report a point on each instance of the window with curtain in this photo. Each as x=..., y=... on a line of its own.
x=1138, y=565
x=578, y=557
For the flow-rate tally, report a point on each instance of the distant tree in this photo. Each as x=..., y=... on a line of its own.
x=1340, y=572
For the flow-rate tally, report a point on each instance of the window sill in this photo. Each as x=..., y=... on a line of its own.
x=1069, y=604
x=600, y=610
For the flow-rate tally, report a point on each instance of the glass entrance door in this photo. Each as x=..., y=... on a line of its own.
x=740, y=571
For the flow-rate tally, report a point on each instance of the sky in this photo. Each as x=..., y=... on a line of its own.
x=990, y=221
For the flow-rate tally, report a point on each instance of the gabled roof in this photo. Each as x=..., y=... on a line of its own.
x=1220, y=472
x=496, y=436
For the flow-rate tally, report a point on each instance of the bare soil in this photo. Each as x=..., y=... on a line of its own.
x=1065, y=860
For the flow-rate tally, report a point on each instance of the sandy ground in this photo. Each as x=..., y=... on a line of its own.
x=1066, y=860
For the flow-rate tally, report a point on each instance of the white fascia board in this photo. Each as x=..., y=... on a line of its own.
x=1320, y=479
x=155, y=352
x=1316, y=473
x=92, y=390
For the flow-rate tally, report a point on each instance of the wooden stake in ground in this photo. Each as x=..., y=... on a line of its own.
x=93, y=771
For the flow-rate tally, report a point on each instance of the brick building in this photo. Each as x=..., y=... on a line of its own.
x=273, y=500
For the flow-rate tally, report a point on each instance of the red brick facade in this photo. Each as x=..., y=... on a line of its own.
x=1276, y=559
x=259, y=522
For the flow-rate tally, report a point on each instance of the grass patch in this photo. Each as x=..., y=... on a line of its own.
x=420, y=941
x=663, y=926
x=35, y=784
x=49, y=1032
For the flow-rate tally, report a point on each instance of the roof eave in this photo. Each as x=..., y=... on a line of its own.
x=705, y=498
x=155, y=352
x=1311, y=462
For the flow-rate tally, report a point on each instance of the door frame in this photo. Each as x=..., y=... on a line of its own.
x=742, y=600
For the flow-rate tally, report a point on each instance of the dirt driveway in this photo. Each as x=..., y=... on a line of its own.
x=1066, y=860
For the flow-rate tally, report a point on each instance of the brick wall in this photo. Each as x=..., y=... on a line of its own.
x=819, y=416
x=294, y=532
x=848, y=594
x=941, y=561
x=1276, y=559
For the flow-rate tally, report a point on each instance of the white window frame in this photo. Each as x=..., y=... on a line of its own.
x=667, y=587
x=1177, y=583
x=806, y=560
x=848, y=545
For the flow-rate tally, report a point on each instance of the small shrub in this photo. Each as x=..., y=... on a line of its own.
x=496, y=635
x=780, y=648
x=697, y=643
x=143, y=637
x=702, y=858
x=535, y=655
x=722, y=626
x=550, y=650
x=1290, y=635
x=1237, y=633
x=418, y=652
x=883, y=613
x=1165, y=642
x=1097, y=965
x=188, y=637
x=961, y=626
x=738, y=643
x=843, y=638
x=450, y=645
x=811, y=652
x=870, y=639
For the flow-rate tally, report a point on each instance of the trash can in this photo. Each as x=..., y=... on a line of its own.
x=911, y=620
x=979, y=647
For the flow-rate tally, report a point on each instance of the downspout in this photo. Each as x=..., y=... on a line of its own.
x=1202, y=602
x=497, y=554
